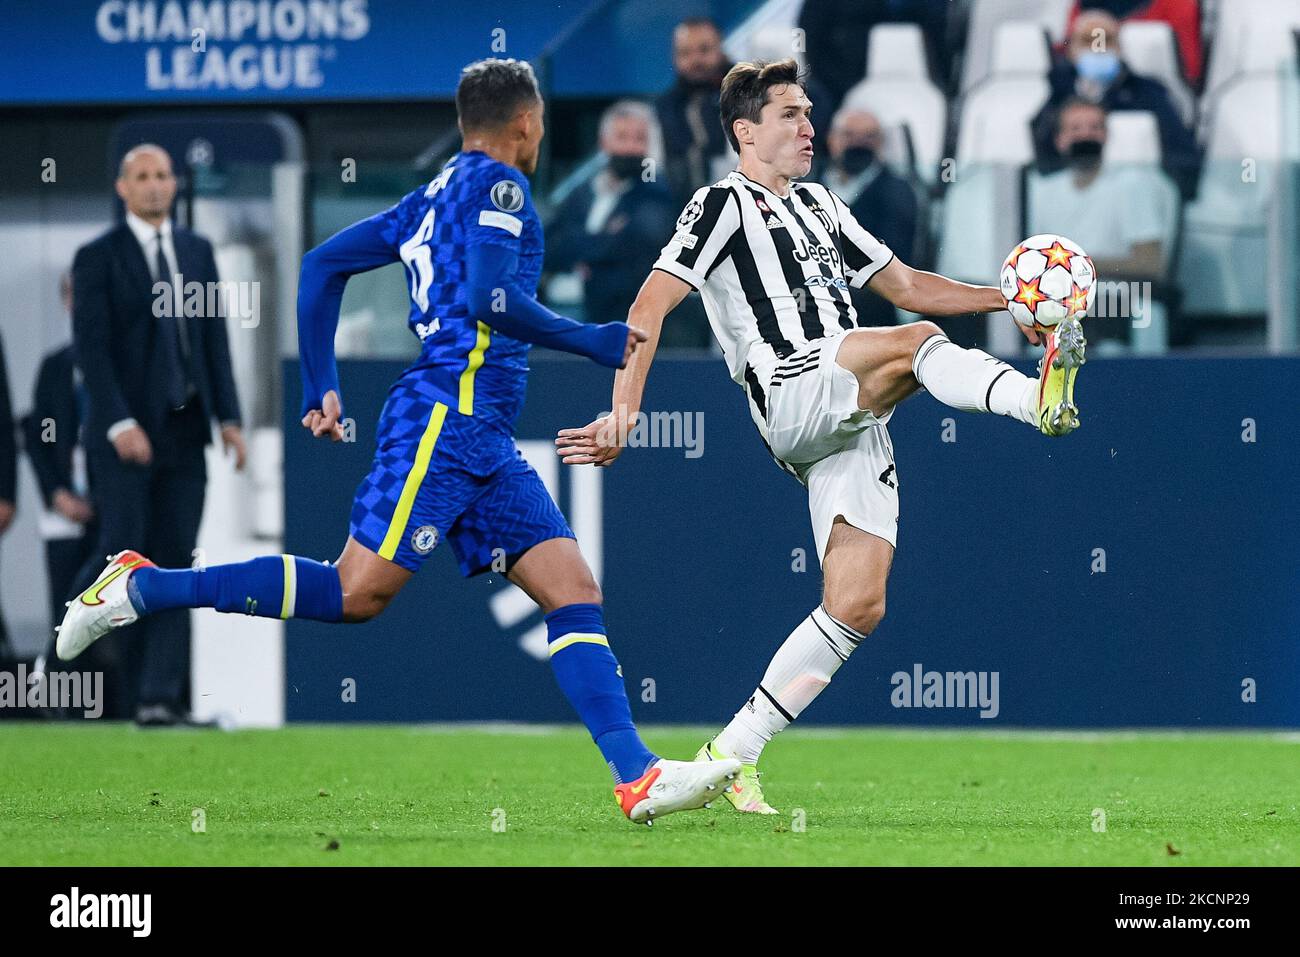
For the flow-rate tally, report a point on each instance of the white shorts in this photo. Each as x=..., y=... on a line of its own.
x=842, y=453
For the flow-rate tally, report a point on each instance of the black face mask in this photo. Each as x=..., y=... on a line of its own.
x=1085, y=152
x=626, y=167
x=856, y=159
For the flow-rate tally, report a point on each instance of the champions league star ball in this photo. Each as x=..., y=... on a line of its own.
x=1047, y=279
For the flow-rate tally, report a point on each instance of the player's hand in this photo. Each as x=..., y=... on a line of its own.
x=634, y=338
x=72, y=507
x=1035, y=339
x=325, y=420
x=132, y=446
x=595, y=444
x=232, y=440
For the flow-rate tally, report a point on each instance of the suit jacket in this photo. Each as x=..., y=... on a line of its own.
x=55, y=400
x=115, y=335
x=621, y=254
x=8, y=444
x=887, y=207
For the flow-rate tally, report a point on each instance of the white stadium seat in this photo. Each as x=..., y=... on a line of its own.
x=987, y=16
x=1132, y=138
x=897, y=51
x=1251, y=36
x=898, y=91
x=1149, y=49
x=996, y=114
x=775, y=41
x=1224, y=242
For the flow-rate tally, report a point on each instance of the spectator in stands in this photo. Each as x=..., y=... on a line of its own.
x=157, y=379
x=880, y=200
x=835, y=37
x=1184, y=16
x=8, y=468
x=610, y=230
x=1092, y=70
x=1123, y=216
x=695, y=149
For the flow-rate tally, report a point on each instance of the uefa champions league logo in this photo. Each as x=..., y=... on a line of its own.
x=511, y=608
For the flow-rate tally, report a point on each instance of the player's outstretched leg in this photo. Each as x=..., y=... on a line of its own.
x=890, y=363
x=554, y=575
x=855, y=567
x=355, y=588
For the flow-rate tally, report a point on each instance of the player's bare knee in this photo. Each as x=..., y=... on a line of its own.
x=916, y=333
x=363, y=605
x=861, y=611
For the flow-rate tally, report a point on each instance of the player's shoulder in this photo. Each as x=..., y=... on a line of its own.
x=504, y=186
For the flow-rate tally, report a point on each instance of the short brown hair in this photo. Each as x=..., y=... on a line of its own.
x=744, y=91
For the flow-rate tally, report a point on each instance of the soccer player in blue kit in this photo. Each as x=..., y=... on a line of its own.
x=446, y=465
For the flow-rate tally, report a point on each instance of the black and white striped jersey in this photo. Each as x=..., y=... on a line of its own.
x=773, y=271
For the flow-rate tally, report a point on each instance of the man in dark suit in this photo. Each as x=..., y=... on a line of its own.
x=8, y=471
x=688, y=111
x=157, y=373
x=880, y=200
x=610, y=230
x=52, y=437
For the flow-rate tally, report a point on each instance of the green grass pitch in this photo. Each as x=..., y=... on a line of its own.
x=104, y=794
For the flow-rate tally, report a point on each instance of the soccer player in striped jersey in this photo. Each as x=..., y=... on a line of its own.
x=446, y=466
x=772, y=258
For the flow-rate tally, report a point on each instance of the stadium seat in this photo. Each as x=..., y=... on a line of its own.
x=996, y=114
x=898, y=91
x=1150, y=50
x=775, y=41
x=1225, y=238
x=896, y=50
x=1132, y=137
x=988, y=16
x=1251, y=36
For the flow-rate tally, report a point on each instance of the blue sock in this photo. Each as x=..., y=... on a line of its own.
x=275, y=586
x=589, y=675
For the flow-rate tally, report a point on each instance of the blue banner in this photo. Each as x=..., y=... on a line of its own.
x=169, y=51
x=1141, y=572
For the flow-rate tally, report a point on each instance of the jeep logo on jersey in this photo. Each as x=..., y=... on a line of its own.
x=693, y=211
x=827, y=255
x=507, y=196
x=424, y=538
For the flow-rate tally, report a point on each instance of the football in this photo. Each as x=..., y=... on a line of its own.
x=1046, y=279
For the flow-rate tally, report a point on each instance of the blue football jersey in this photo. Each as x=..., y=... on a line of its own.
x=475, y=199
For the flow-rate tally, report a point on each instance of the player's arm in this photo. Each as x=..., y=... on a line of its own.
x=871, y=263
x=495, y=299
x=324, y=275
x=702, y=241
x=599, y=442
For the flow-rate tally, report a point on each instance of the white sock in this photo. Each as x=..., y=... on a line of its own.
x=800, y=670
x=974, y=381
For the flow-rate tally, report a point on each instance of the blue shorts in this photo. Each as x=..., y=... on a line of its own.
x=439, y=475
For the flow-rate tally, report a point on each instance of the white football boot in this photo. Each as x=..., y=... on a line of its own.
x=670, y=786
x=102, y=607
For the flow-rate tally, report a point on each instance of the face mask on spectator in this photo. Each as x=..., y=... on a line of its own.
x=1099, y=68
x=856, y=159
x=1085, y=152
x=626, y=167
